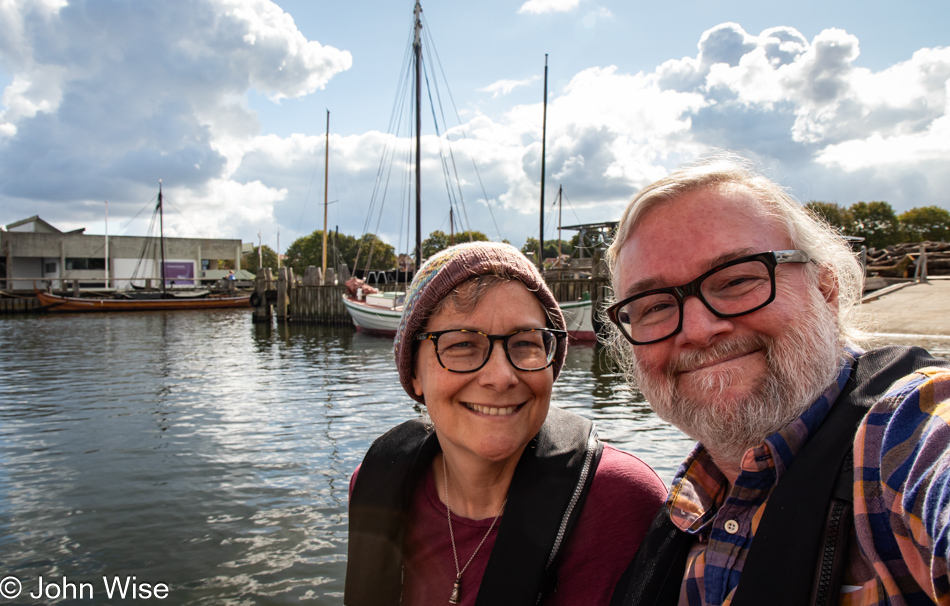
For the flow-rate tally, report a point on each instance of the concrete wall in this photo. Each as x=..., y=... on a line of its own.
x=26, y=253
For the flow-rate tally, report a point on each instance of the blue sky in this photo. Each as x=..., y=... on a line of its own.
x=225, y=101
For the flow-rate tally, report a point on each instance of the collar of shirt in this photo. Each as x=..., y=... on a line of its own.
x=699, y=488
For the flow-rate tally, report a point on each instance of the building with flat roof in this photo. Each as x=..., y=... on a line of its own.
x=32, y=249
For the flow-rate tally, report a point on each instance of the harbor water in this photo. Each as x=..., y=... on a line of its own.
x=199, y=456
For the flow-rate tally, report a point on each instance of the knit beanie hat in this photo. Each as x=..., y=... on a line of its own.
x=443, y=272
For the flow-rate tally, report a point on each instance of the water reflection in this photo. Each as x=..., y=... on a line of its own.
x=200, y=450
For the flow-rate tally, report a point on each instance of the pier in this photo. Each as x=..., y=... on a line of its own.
x=912, y=308
x=311, y=299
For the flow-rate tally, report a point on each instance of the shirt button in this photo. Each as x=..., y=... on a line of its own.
x=731, y=526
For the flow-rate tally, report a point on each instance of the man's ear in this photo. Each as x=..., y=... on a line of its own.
x=828, y=285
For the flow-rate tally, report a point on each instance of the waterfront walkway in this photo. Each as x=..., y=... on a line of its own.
x=916, y=309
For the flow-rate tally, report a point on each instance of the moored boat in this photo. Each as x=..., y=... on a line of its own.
x=57, y=303
x=382, y=320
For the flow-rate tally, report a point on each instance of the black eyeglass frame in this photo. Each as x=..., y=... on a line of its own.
x=770, y=259
x=434, y=337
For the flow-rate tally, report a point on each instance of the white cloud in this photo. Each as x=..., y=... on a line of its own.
x=538, y=7
x=592, y=18
x=105, y=99
x=82, y=122
x=503, y=87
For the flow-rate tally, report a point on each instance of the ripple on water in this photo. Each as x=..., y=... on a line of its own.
x=203, y=451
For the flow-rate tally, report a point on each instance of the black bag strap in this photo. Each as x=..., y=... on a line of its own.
x=529, y=531
x=789, y=537
x=545, y=500
x=785, y=553
x=655, y=575
x=377, y=521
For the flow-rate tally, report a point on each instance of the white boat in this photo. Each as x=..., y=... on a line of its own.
x=579, y=320
x=379, y=319
x=373, y=319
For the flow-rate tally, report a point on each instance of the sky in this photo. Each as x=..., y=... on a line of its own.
x=225, y=102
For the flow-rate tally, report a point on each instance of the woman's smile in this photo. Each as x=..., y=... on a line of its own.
x=494, y=411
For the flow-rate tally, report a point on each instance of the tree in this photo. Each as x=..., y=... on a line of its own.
x=832, y=214
x=308, y=250
x=926, y=223
x=550, y=248
x=251, y=261
x=875, y=222
x=439, y=240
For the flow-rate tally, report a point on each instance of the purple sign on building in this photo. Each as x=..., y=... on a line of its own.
x=179, y=273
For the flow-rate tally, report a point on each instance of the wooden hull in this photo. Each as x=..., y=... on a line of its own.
x=56, y=303
x=385, y=322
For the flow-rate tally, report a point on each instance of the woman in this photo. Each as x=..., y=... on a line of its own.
x=500, y=499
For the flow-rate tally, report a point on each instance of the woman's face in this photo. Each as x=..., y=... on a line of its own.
x=494, y=412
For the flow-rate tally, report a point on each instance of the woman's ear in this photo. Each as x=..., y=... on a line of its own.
x=417, y=385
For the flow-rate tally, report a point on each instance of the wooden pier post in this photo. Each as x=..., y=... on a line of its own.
x=262, y=309
x=283, y=296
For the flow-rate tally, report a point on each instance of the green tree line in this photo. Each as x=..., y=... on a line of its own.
x=308, y=250
x=880, y=226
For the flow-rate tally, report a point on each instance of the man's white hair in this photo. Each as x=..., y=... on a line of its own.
x=832, y=255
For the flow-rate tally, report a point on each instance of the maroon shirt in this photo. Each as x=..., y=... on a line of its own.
x=624, y=496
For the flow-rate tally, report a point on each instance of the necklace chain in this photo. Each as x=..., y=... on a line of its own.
x=455, y=598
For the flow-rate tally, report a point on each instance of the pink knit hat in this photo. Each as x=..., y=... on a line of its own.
x=443, y=272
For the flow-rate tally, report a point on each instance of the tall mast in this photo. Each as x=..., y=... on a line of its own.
x=559, y=190
x=107, y=244
x=161, y=231
x=417, y=55
x=544, y=128
x=326, y=180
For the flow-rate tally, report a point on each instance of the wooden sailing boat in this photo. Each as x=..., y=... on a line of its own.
x=380, y=313
x=144, y=301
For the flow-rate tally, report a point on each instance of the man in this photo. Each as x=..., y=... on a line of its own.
x=736, y=319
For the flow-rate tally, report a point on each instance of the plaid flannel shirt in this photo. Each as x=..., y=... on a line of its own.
x=901, y=541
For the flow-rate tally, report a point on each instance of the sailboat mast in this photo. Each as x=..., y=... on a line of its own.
x=417, y=55
x=161, y=231
x=544, y=129
x=107, y=244
x=326, y=180
x=560, y=189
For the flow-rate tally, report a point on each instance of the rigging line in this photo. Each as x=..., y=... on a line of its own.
x=463, y=219
x=149, y=242
x=573, y=210
x=395, y=117
x=148, y=204
x=165, y=201
x=427, y=31
x=448, y=144
x=306, y=199
x=445, y=170
x=379, y=217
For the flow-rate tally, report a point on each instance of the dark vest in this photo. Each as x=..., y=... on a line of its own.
x=545, y=499
x=800, y=548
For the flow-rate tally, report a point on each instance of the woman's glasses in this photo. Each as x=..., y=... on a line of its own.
x=462, y=350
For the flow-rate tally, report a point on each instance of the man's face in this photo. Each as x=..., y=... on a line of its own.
x=727, y=382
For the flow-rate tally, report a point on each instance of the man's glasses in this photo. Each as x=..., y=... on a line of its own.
x=732, y=289
x=464, y=350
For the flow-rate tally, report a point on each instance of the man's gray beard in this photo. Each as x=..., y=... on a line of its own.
x=800, y=364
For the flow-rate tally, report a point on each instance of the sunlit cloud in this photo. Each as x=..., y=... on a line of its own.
x=538, y=7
